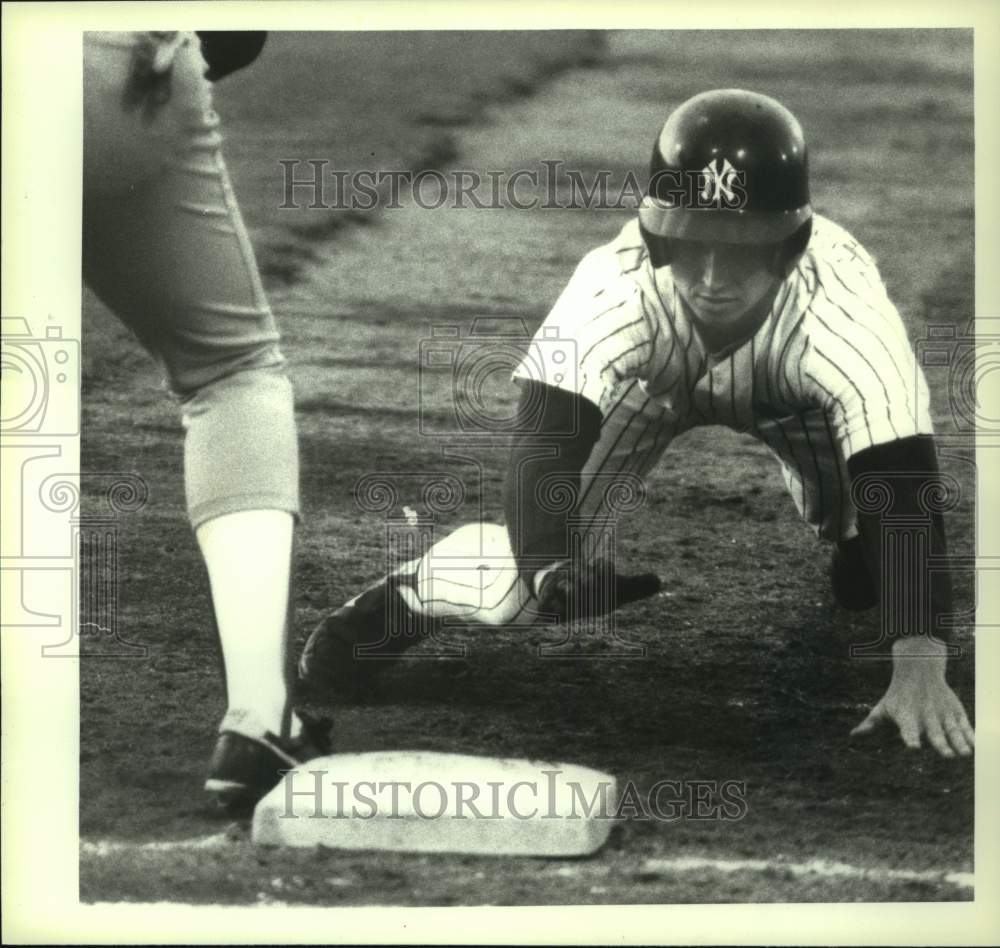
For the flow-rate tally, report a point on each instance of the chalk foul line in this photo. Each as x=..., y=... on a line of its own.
x=814, y=867
x=666, y=867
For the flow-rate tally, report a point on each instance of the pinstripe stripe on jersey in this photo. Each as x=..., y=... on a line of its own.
x=853, y=377
x=818, y=479
x=652, y=454
x=664, y=321
x=774, y=352
x=783, y=449
x=607, y=445
x=657, y=332
x=840, y=405
x=851, y=384
x=844, y=501
x=613, y=329
x=877, y=337
x=693, y=368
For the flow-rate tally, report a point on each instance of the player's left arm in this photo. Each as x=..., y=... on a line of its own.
x=861, y=367
x=918, y=701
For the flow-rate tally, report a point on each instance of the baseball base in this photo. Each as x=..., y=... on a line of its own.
x=424, y=801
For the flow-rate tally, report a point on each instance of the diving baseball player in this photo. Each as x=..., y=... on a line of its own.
x=726, y=302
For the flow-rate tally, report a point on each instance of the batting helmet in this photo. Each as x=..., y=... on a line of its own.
x=728, y=166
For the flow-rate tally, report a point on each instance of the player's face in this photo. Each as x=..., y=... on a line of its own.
x=722, y=282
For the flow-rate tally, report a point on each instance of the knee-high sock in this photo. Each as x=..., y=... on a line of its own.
x=248, y=555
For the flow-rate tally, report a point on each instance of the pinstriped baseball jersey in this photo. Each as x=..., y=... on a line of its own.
x=828, y=373
x=832, y=340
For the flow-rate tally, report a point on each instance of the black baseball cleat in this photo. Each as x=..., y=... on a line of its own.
x=353, y=645
x=243, y=769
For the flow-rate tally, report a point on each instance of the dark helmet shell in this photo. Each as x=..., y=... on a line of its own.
x=731, y=166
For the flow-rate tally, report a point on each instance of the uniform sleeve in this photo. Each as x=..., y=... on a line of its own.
x=598, y=333
x=859, y=365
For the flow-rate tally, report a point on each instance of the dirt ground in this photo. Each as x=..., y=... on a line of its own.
x=746, y=674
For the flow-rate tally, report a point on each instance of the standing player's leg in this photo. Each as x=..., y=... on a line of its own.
x=471, y=576
x=165, y=248
x=816, y=476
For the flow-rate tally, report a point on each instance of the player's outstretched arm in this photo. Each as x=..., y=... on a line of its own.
x=555, y=442
x=557, y=432
x=919, y=701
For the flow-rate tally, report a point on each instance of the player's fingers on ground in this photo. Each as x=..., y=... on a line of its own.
x=936, y=735
x=909, y=730
x=875, y=717
x=960, y=740
x=964, y=725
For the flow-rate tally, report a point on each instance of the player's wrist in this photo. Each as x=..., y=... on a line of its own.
x=919, y=656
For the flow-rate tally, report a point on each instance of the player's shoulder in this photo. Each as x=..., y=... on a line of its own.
x=610, y=273
x=619, y=258
x=837, y=272
x=832, y=246
x=840, y=292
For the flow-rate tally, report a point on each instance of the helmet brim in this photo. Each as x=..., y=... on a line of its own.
x=719, y=224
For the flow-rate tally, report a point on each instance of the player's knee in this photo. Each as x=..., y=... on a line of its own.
x=191, y=373
x=241, y=447
x=248, y=394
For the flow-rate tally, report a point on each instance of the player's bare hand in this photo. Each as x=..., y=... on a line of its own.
x=151, y=73
x=920, y=703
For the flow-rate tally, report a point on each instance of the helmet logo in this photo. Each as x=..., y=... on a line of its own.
x=719, y=176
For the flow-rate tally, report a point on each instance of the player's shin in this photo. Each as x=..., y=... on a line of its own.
x=248, y=557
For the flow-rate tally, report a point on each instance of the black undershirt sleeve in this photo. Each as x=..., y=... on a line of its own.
x=558, y=431
x=907, y=467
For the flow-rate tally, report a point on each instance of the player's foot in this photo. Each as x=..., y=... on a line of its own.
x=853, y=587
x=243, y=769
x=353, y=645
